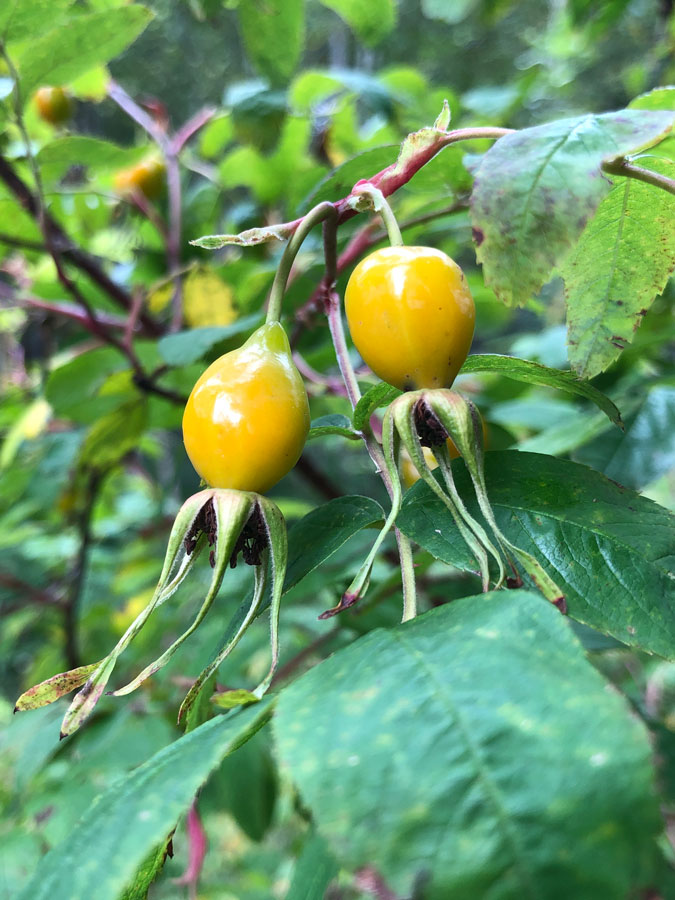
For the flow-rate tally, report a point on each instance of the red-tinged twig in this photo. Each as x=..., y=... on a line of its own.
x=289, y=668
x=191, y=127
x=30, y=596
x=75, y=255
x=197, y=847
x=132, y=320
x=170, y=147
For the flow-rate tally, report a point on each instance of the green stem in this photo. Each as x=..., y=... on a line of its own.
x=319, y=214
x=628, y=170
x=408, y=576
x=380, y=205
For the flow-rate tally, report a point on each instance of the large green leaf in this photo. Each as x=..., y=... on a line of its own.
x=611, y=551
x=646, y=450
x=476, y=752
x=622, y=261
x=114, y=837
x=371, y=21
x=535, y=373
x=536, y=189
x=323, y=531
x=62, y=54
x=273, y=34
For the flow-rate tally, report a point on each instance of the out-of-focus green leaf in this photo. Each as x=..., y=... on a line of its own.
x=536, y=189
x=72, y=389
x=92, y=38
x=340, y=182
x=121, y=828
x=273, y=35
x=114, y=435
x=246, y=786
x=659, y=98
x=186, y=347
x=449, y=11
x=56, y=157
x=466, y=750
x=324, y=530
x=371, y=21
x=646, y=450
x=28, y=18
x=622, y=261
x=315, y=869
x=611, y=551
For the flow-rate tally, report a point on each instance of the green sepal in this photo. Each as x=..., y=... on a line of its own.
x=473, y=533
x=461, y=419
x=277, y=540
x=232, y=509
x=359, y=585
x=88, y=696
x=238, y=629
x=236, y=697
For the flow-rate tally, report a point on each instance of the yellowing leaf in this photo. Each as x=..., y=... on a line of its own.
x=207, y=300
x=160, y=298
x=29, y=426
x=122, y=618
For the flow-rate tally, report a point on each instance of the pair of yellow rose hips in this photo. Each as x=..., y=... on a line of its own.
x=411, y=317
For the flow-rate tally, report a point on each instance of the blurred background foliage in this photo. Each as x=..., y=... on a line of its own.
x=92, y=467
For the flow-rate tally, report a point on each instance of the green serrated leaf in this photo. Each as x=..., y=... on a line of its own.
x=379, y=395
x=102, y=853
x=536, y=189
x=321, y=532
x=147, y=872
x=61, y=54
x=659, y=98
x=535, y=373
x=611, y=551
x=465, y=750
x=622, y=261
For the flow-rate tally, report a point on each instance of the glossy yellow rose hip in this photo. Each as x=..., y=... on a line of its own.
x=411, y=316
x=246, y=420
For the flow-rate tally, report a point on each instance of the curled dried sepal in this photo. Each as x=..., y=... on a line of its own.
x=54, y=688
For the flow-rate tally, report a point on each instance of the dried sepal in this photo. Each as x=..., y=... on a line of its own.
x=54, y=688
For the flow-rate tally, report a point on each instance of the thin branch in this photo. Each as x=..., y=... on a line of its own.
x=71, y=606
x=623, y=167
x=76, y=256
x=289, y=668
x=21, y=243
x=191, y=127
x=117, y=93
